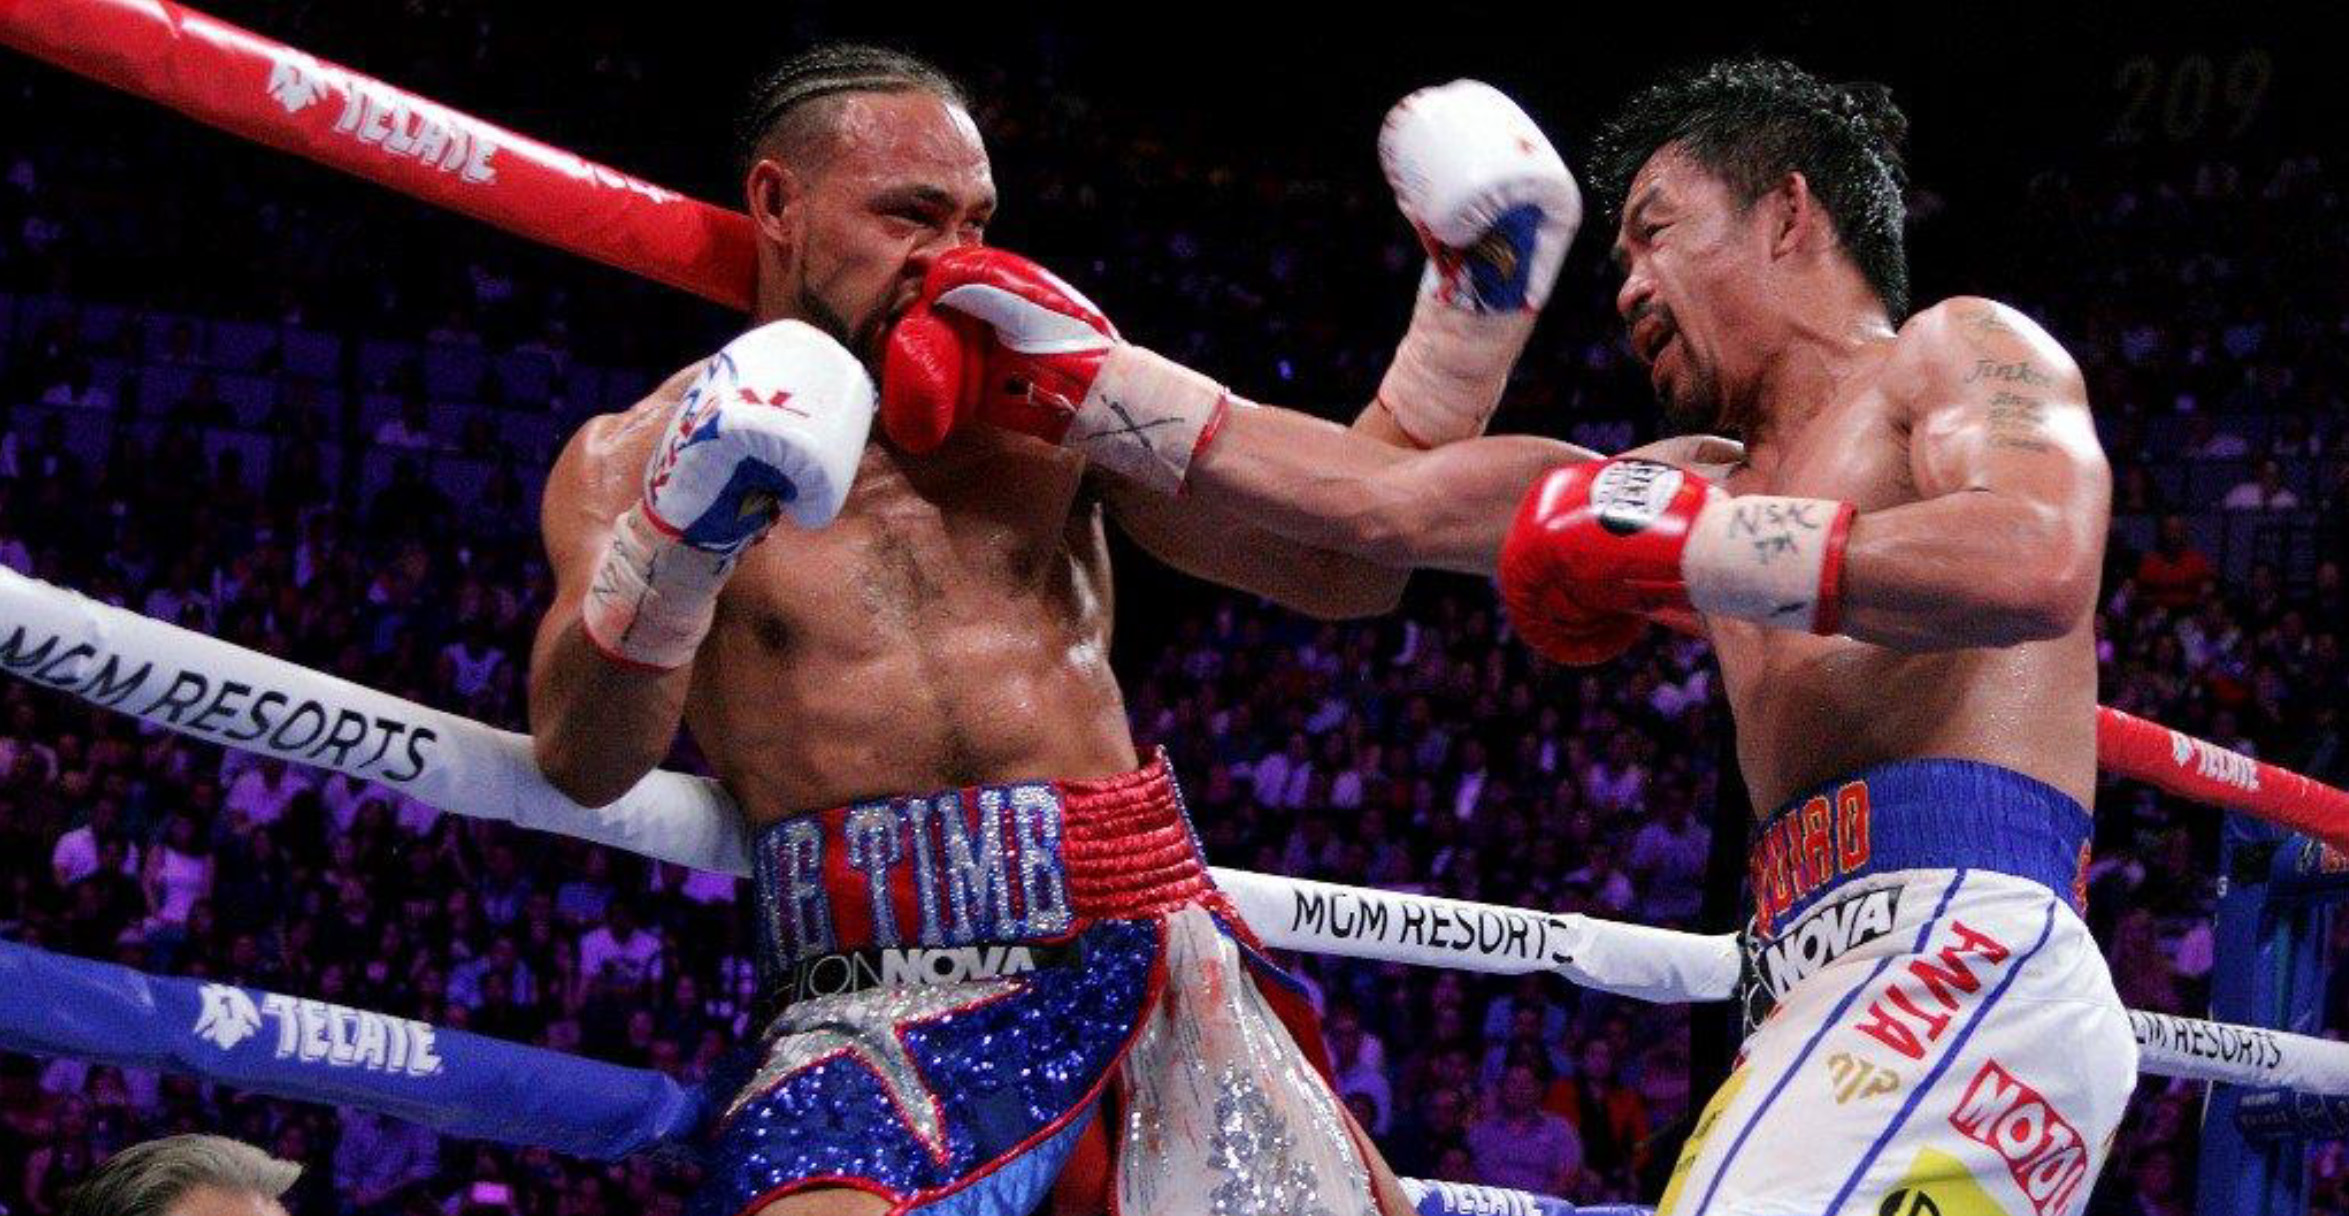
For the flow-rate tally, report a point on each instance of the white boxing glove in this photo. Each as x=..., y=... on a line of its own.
x=774, y=426
x=1496, y=208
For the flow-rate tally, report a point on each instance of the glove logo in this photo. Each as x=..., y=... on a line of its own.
x=1629, y=495
x=228, y=1017
x=779, y=399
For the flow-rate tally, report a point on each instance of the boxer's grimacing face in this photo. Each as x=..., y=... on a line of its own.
x=905, y=179
x=1694, y=287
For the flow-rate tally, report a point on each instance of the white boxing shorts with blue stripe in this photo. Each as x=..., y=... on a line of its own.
x=1933, y=1030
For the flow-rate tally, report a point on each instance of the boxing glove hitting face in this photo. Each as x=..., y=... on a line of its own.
x=997, y=339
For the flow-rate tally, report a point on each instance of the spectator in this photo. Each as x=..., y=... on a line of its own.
x=260, y=794
x=2174, y=574
x=1358, y=1064
x=76, y=854
x=410, y=429
x=1667, y=862
x=2265, y=491
x=1608, y=1116
x=189, y=1175
x=618, y=952
x=178, y=873
x=1281, y=778
x=1521, y=1145
x=378, y=1157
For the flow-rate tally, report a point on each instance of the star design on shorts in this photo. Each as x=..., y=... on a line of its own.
x=823, y=1029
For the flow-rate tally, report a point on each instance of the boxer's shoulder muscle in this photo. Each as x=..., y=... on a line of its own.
x=1967, y=345
x=599, y=472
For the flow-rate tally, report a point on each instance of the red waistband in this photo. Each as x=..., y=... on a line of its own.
x=1128, y=844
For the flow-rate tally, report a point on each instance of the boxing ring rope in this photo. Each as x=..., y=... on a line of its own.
x=210, y=689
x=239, y=81
x=228, y=77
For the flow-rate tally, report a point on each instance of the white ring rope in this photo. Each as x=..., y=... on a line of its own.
x=211, y=689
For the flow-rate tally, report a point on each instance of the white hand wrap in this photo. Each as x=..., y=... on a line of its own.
x=1147, y=417
x=653, y=597
x=1774, y=560
x=1495, y=206
x=1450, y=371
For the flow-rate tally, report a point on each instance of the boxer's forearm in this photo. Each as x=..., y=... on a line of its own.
x=597, y=727
x=1322, y=485
x=1969, y=570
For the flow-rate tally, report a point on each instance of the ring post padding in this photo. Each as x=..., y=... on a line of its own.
x=2270, y=972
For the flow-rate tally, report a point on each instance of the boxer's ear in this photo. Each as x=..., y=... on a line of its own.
x=1797, y=221
x=776, y=197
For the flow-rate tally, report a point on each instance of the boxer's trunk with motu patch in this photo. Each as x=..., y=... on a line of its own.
x=963, y=976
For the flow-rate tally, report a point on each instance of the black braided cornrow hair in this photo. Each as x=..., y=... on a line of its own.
x=832, y=70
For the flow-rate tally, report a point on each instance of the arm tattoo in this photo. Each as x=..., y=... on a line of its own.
x=2018, y=422
x=2023, y=373
x=1985, y=323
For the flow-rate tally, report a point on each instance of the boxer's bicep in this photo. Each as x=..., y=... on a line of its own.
x=2003, y=541
x=2003, y=410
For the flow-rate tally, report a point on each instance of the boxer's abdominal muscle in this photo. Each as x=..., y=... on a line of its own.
x=950, y=628
x=1810, y=710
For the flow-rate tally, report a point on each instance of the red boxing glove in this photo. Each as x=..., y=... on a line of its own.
x=1600, y=544
x=930, y=376
x=998, y=339
x=993, y=337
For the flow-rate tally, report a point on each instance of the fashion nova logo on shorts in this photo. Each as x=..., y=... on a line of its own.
x=859, y=970
x=316, y=1032
x=1629, y=495
x=1825, y=934
x=2041, y=1149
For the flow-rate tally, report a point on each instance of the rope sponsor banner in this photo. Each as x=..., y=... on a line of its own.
x=452, y=1081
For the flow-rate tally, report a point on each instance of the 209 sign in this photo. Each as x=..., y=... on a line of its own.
x=2193, y=96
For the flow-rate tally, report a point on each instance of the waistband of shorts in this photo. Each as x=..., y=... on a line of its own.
x=1916, y=815
x=980, y=864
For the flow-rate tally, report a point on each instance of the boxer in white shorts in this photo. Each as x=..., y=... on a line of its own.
x=1899, y=578
x=1900, y=582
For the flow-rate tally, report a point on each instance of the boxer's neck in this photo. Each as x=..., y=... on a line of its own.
x=1820, y=353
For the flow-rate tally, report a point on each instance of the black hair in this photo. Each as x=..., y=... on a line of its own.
x=1751, y=122
x=783, y=99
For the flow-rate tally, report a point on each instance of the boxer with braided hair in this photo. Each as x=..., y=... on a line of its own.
x=983, y=917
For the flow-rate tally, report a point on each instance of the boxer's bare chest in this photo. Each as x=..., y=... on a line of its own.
x=950, y=628
x=1809, y=709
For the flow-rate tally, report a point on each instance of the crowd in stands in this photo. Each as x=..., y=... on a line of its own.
x=268, y=455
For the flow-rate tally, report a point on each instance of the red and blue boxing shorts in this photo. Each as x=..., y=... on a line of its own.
x=969, y=980
x=1932, y=1029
